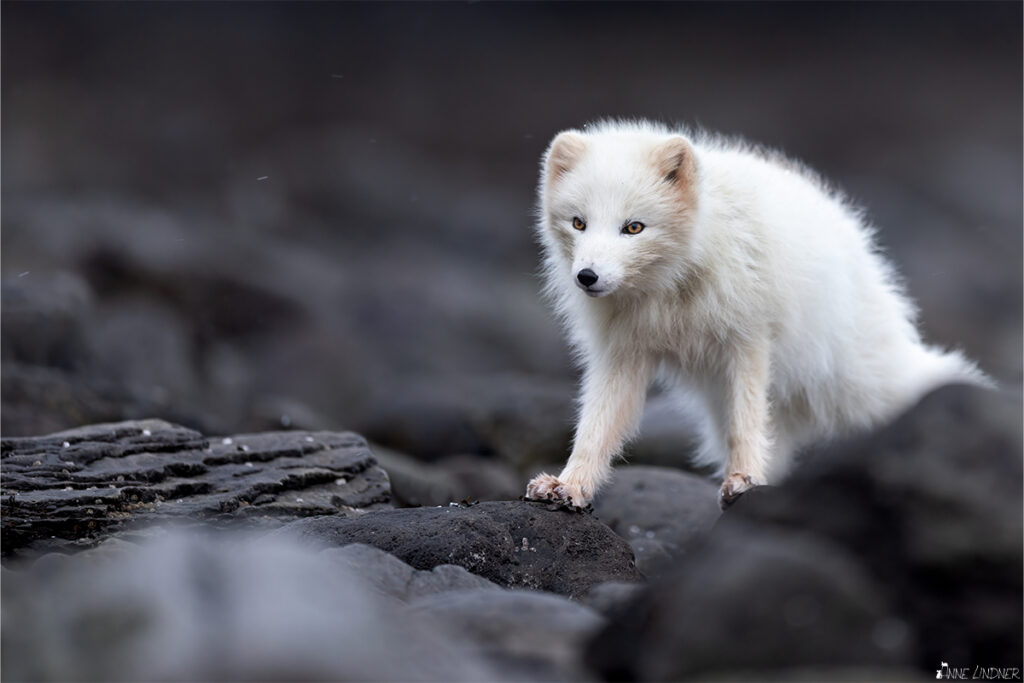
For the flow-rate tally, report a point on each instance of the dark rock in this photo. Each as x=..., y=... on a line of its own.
x=932, y=506
x=748, y=603
x=662, y=512
x=901, y=548
x=450, y=479
x=513, y=544
x=44, y=320
x=522, y=419
x=89, y=482
x=483, y=478
x=188, y=607
x=40, y=400
x=532, y=635
x=611, y=597
x=395, y=578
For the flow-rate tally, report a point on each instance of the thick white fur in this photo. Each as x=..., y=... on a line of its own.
x=752, y=284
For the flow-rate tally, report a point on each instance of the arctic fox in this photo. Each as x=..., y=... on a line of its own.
x=730, y=270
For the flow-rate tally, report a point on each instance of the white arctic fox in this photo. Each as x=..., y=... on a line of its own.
x=730, y=270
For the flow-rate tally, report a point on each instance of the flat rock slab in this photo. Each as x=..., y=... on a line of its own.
x=83, y=484
x=512, y=543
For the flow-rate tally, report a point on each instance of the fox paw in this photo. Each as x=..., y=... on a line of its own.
x=734, y=486
x=550, y=487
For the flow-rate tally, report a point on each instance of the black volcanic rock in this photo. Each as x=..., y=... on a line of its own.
x=512, y=543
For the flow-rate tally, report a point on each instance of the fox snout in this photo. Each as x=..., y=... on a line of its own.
x=586, y=277
x=591, y=283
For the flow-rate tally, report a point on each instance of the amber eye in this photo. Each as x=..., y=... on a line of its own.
x=578, y=223
x=633, y=228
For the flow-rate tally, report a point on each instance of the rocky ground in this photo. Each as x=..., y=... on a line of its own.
x=142, y=550
x=266, y=224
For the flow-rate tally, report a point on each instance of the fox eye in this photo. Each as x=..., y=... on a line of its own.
x=633, y=228
x=578, y=223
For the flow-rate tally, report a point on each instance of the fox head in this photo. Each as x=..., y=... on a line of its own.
x=617, y=208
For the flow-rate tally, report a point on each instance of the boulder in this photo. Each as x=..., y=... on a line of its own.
x=750, y=603
x=75, y=487
x=223, y=607
x=528, y=634
x=449, y=479
x=931, y=504
x=514, y=544
x=392, y=577
x=896, y=550
x=522, y=419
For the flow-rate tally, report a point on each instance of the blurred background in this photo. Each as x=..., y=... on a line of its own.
x=250, y=216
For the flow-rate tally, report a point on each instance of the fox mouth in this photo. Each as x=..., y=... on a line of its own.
x=593, y=292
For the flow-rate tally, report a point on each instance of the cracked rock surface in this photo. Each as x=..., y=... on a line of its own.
x=71, y=487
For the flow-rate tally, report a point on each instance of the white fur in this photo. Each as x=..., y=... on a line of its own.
x=753, y=283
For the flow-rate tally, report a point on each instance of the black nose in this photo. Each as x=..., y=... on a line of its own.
x=586, y=277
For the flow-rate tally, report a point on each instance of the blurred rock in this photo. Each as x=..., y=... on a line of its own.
x=392, y=577
x=662, y=512
x=84, y=483
x=931, y=505
x=44, y=319
x=530, y=635
x=901, y=548
x=483, y=478
x=513, y=544
x=670, y=432
x=610, y=597
x=40, y=400
x=751, y=603
x=450, y=479
x=523, y=419
x=220, y=608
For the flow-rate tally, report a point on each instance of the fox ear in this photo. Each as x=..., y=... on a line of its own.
x=676, y=162
x=565, y=152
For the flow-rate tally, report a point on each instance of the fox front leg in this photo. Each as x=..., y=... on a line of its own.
x=614, y=389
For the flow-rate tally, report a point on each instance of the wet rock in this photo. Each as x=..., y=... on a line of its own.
x=83, y=484
x=392, y=577
x=662, y=512
x=751, y=603
x=531, y=635
x=513, y=544
x=220, y=608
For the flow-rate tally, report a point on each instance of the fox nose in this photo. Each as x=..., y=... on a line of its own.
x=586, y=277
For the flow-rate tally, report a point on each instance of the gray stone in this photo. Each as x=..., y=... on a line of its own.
x=751, y=602
x=900, y=548
x=936, y=494
x=226, y=607
x=449, y=479
x=513, y=544
x=610, y=597
x=395, y=578
x=662, y=512
x=533, y=635
x=77, y=486
x=521, y=419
